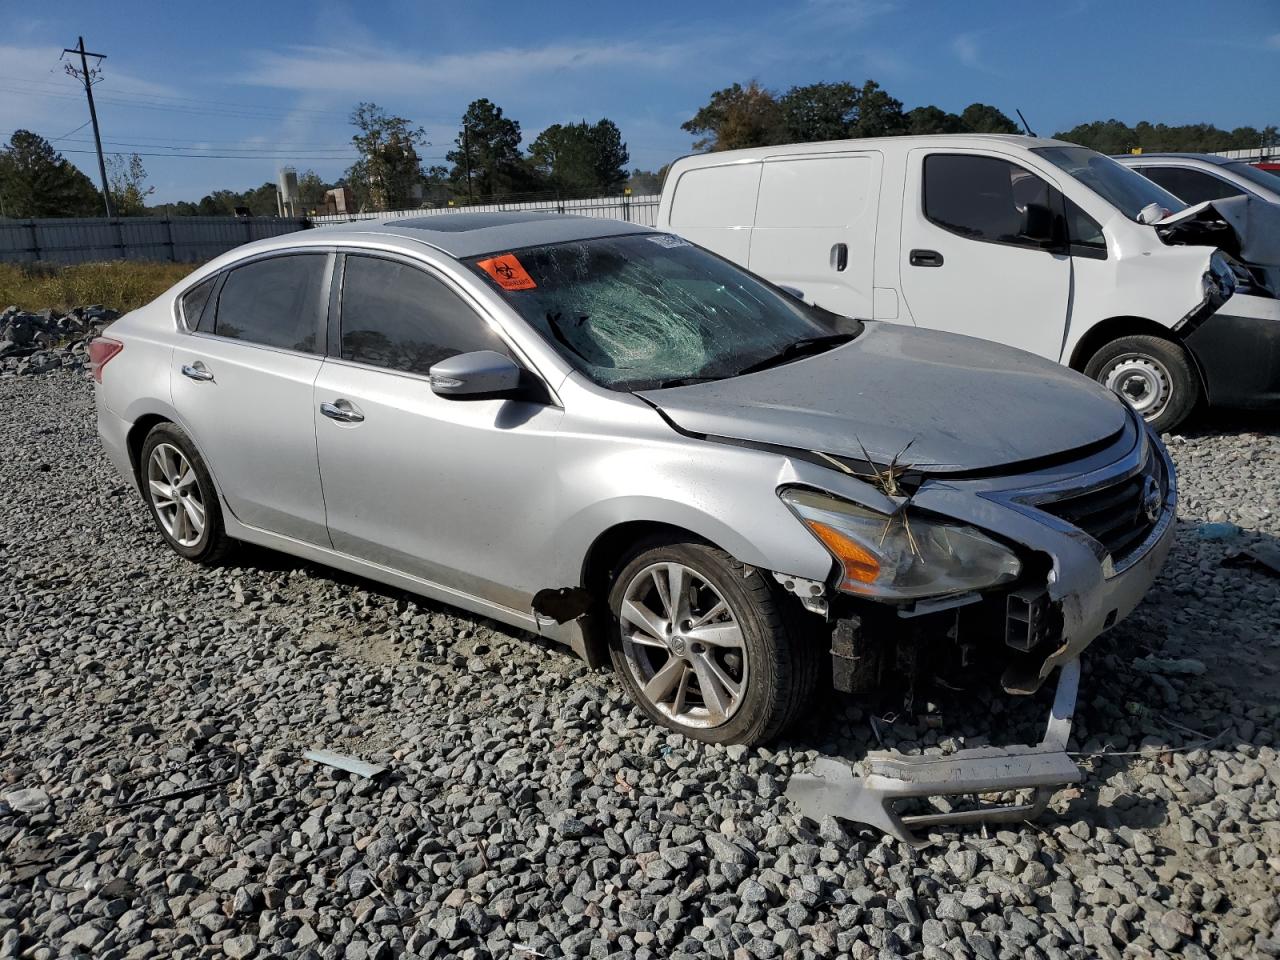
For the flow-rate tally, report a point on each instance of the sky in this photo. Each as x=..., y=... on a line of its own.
x=249, y=87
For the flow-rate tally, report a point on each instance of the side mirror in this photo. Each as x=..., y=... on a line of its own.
x=482, y=373
x=1038, y=224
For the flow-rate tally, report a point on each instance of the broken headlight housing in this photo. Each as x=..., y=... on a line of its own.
x=904, y=556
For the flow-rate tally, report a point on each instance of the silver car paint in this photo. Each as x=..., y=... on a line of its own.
x=591, y=460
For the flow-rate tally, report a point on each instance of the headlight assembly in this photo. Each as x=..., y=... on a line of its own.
x=901, y=557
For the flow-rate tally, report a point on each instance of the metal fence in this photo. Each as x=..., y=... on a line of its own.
x=183, y=239
x=642, y=210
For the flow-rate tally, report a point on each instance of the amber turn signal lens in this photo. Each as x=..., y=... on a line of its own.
x=860, y=565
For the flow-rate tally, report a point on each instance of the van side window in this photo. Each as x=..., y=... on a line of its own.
x=402, y=318
x=1192, y=186
x=983, y=198
x=278, y=302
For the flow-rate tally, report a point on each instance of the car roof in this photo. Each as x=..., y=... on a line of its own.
x=1206, y=157
x=464, y=234
x=942, y=140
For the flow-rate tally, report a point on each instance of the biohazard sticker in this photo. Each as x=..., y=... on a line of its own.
x=508, y=272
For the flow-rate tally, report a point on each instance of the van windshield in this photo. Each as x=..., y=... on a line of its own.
x=651, y=310
x=1126, y=190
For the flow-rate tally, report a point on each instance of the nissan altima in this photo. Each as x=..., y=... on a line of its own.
x=606, y=435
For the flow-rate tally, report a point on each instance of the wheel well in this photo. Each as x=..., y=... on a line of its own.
x=1111, y=329
x=602, y=559
x=137, y=436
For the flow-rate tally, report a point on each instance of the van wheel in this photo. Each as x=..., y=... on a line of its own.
x=707, y=647
x=1152, y=374
x=178, y=489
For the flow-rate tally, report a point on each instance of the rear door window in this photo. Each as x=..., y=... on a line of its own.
x=982, y=198
x=398, y=316
x=1192, y=186
x=279, y=302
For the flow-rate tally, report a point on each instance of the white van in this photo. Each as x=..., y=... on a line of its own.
x=1034, y=243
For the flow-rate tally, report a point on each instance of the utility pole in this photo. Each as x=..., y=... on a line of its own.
x=466, y=153
x=87, y=76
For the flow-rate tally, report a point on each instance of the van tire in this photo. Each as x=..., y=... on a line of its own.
x=782, y=659
x=1153, y=374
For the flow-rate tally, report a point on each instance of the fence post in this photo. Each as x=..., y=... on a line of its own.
x=173, y=249
x=35, y=240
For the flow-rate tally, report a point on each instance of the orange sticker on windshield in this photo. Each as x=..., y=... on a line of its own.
x=508, y=271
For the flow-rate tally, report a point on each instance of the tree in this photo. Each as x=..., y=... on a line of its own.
x=738, y=117
x=487, y=160
x=389, y=166
x=36, y=181
x=931, y=119
x=311, y=190
x=1113, y=136
x=820, y=111
x=127, y=178
x=580, y=157
x=645, y=182
x=879, y=115
x=983, y=118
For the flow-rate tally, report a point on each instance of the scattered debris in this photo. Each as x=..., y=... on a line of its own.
x=1264, y=556
x=1185, y=667
x=343, y=762
x=27, y=800
x=209, y=763
x=1217, y=531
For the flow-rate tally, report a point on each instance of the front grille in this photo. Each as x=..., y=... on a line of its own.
x=1118, y=515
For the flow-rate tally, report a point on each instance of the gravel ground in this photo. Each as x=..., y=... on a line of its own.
x=528, y=810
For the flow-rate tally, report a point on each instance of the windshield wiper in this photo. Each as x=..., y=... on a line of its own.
x=682, y=382
x=794, y=351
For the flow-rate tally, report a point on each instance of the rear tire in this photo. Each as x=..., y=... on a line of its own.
x=732, y=634
x=179, y=490
x=1152, y=374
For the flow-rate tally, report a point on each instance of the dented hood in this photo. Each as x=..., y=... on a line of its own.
x=963, y=404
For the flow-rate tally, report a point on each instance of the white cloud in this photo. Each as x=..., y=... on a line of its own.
x=383, y=71
x=965, y=47
x=1273, y=41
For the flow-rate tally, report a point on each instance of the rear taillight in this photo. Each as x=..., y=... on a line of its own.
x=101, y=350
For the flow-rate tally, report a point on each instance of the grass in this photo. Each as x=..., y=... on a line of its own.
x=119, y=284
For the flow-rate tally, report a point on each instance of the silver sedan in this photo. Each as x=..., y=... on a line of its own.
x=611, y=437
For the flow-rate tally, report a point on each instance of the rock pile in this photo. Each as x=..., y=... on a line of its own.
x=33, y=343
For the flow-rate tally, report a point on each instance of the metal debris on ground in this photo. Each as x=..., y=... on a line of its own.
x=1264, y=556
x=341, y=761
x=211, y=763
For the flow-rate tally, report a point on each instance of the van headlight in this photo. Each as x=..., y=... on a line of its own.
x=901, y=557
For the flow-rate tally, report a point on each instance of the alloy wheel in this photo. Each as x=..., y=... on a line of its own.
x=683, y=645
x=1142, y=381
x=175, y=494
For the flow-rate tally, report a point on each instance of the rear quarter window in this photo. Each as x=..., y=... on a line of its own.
x=194, y=300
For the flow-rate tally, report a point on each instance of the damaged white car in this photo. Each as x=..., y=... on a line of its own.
x=609, y=436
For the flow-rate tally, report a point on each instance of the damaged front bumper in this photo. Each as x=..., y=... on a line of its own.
x=830, y=788
x=1099, y=563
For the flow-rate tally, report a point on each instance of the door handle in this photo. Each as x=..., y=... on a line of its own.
x=839, y=256
x=196, y=371
x=925, y=258
x=342, y=411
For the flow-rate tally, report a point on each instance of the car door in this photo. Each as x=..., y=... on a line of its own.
x=815, y=228
x=447, y=489
x=968, y=264
x=242, y=383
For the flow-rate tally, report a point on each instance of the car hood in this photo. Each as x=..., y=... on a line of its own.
x=963, y=404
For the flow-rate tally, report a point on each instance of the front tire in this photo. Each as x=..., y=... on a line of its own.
x=705, y=645
x=1153, y=375
x=179, y=490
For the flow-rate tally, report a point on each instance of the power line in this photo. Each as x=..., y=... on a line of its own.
x=67, y=135
x=219, y=156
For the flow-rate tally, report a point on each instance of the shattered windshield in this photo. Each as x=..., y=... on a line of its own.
x=1126, y=190
x=649, y=310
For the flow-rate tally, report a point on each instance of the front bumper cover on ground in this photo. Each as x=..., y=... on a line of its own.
x=830, y=788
